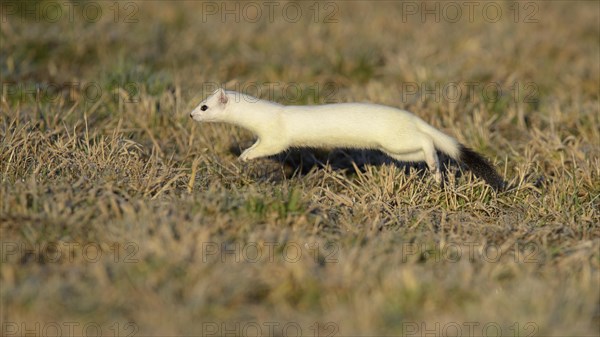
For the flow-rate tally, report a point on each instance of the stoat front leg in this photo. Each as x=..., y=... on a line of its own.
x=262, y=149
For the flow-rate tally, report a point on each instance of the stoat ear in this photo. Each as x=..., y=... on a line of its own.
x=223, y=99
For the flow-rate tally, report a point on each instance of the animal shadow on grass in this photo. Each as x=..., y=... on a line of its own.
x=301, y=161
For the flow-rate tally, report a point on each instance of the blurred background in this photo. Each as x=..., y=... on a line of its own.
x=360, y=49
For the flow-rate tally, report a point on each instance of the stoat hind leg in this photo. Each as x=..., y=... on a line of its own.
x=426, y=153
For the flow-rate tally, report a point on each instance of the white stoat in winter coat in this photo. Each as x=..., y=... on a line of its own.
x=398, y=133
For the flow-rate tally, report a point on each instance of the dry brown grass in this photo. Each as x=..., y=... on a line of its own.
x=129, y=218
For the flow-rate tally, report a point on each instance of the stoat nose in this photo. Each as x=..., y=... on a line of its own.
x=191, y=115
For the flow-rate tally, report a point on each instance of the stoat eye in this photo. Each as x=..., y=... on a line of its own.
x=203, y=108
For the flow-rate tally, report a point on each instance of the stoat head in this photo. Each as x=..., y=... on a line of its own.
x=213, y=108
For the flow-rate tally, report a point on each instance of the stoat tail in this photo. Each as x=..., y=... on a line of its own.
x=476, y=163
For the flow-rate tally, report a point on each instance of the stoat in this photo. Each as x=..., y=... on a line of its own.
x=398, y=133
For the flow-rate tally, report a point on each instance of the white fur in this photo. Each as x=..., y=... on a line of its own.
x=398, y=133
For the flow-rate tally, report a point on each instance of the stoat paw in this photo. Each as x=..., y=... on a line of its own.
x=244, y=157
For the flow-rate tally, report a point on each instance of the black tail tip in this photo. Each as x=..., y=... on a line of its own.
x=482, y=168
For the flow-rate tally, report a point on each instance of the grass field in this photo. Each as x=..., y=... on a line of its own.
x=120, y=216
